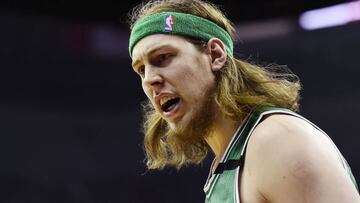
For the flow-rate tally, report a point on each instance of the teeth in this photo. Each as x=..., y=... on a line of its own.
x=165, y=99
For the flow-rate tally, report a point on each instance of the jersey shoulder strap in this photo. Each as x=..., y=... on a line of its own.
x=222, y=185
x=235, y=155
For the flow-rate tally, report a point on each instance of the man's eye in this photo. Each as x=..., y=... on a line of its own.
x=141, y=70
x=161, y=60
x=163, y=57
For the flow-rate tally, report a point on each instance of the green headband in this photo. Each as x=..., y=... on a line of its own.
x=174, y=23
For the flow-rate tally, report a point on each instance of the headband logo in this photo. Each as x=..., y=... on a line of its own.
x=169, y=23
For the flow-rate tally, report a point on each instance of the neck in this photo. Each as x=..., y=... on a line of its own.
x=221, y=134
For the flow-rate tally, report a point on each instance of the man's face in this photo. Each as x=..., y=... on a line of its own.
x=176, y=77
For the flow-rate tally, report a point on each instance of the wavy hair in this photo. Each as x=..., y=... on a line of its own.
x=241, y=86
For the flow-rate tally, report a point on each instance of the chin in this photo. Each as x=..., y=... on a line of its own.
x=179, y=125
x=174, y=126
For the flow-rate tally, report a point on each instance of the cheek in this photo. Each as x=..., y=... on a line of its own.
x=147, y=91
x=195, y=91
x=148, y=94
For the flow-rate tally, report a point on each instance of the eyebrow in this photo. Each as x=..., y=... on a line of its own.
x=136, y=62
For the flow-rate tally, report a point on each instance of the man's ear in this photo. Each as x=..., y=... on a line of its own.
x=216, y=49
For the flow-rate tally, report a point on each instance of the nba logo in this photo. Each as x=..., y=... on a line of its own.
x=169, y=23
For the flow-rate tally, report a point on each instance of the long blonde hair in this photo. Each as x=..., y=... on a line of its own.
x=241, y=86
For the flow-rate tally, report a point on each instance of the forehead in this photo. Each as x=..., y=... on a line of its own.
x=156, y=41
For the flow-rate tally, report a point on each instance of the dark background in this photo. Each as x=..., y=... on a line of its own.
x=70, y=104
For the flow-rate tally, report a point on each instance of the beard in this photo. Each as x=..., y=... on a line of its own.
x=199, y=126
x=186, y=144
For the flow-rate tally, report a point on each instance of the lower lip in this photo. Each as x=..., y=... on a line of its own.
x=173, y=111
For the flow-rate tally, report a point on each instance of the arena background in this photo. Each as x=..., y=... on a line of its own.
x=70, y=103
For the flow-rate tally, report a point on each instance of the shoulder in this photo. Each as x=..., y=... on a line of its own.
x=281, y=139
x=284, y=133
x=288, y=155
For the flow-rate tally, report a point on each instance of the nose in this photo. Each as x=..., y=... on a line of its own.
x=153, y=79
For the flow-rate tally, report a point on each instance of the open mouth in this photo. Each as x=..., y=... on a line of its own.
x=169, y=104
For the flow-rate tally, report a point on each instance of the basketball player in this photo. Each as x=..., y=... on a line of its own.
x=201, y=96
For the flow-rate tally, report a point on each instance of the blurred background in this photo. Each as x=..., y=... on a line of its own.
x=70, y=111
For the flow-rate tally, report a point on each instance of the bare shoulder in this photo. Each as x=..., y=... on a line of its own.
x=287, y=155
x=287, y=136
x=287, y=132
